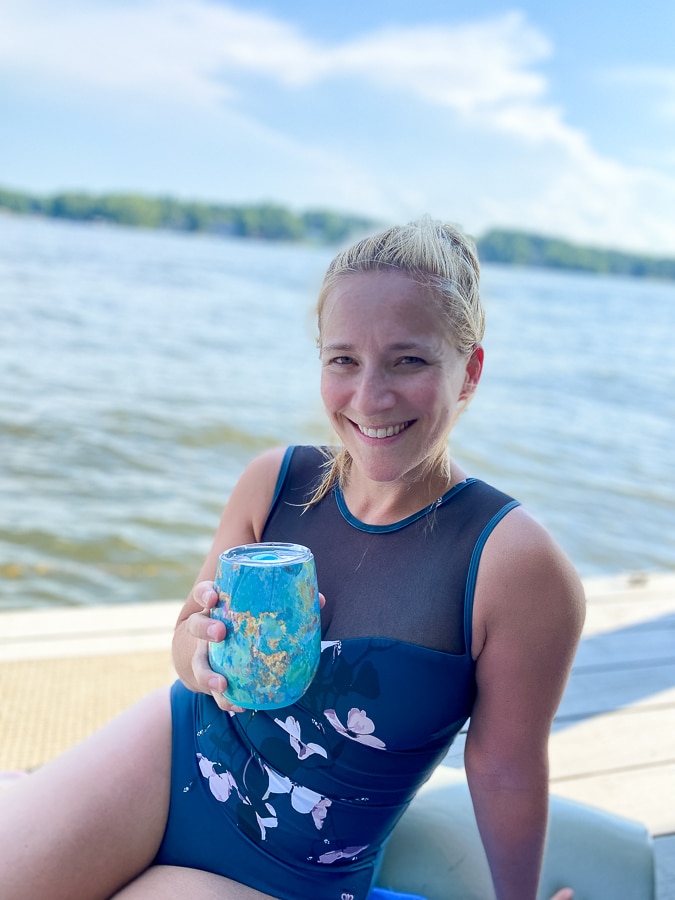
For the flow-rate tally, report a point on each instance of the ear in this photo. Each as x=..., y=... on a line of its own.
x=474, y=367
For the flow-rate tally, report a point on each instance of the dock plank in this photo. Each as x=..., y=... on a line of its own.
x=87, y=631
x=640, y=642
x=618, y=741
x=50, y=704
x=595, y=691
x=644, y=794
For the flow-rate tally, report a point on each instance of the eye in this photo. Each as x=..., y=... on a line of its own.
x=339, y=361
x=412, y=361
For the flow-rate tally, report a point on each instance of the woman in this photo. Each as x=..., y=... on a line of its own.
x=444, y=600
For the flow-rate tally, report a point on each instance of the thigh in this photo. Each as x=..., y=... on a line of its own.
x=89, y=821
x=177, y=883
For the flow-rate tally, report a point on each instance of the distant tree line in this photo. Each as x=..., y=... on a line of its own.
x=269, y=221
x=516, y=248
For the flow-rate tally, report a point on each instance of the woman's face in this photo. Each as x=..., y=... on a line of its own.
x=391, y=380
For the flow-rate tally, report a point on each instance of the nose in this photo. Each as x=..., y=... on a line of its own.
x=373, y=392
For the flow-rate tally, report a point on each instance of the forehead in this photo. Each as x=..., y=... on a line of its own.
x=384, y=298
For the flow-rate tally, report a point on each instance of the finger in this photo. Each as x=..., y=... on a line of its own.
x=322, y=600
x=204, y=594
x=216, y=686
x=207, y=680
x=201, y=626
x=210, y=682
x=225, y=704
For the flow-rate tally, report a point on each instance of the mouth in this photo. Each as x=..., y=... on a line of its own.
x=384, y=431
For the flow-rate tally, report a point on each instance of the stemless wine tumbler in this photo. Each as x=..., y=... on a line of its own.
x=269, y=602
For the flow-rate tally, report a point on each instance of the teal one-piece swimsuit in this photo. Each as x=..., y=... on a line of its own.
x=298, y=802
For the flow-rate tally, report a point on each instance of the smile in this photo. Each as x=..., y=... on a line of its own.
x=385, y=431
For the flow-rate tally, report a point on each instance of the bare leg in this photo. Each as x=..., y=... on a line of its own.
x=90, y=821
x=176, y=883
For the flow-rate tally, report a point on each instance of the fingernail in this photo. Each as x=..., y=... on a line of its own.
x=214, y=684
x=212, y=632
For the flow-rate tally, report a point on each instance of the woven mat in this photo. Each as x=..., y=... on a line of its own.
x=48, y=705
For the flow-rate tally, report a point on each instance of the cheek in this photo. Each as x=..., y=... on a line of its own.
x=440, y=400
x=331, y=392
x=432, y=393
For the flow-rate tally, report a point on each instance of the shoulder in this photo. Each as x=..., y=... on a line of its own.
x=257, y=486
x=252, y=495
x=260, y=476
x=525, y=583
x=244, y=515
x=265, y=466
x=263, y=472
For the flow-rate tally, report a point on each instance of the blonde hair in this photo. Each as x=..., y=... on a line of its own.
x=439, y=257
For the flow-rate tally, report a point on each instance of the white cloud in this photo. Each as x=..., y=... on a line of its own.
x=187, y=49
x=178, y=49
x=470, y=68
x=194, y=50
x=609, y=206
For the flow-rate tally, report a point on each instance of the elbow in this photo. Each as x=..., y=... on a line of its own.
x=494, y=765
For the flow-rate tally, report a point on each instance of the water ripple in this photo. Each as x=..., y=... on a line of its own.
x=142, y=371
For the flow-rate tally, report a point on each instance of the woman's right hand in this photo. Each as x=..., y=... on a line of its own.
x=206, y=629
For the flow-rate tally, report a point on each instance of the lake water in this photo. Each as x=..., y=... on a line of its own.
x=140, y=371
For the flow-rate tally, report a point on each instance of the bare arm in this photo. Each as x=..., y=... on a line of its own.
x=528, y=616
x=242, y=522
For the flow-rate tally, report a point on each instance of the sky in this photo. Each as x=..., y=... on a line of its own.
x=539, y=116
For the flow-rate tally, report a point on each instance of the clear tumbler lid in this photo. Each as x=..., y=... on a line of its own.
x=266, y=553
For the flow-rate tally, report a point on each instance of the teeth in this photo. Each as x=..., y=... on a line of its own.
x=383, y=432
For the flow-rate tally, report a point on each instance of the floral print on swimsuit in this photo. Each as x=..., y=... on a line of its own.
x=255, y=787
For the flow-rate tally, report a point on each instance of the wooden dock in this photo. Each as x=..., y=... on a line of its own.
x=65, y=672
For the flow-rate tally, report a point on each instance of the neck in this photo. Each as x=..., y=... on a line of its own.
x=383, y=503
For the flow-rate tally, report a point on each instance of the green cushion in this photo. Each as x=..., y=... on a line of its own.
x=436, y=850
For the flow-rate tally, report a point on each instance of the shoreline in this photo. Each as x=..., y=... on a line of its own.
x=279, y=224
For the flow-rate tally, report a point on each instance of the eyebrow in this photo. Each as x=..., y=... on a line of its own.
x=400, y=345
